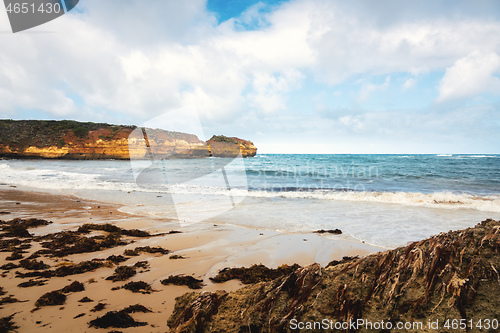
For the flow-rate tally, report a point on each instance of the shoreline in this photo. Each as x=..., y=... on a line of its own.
x=208, y=248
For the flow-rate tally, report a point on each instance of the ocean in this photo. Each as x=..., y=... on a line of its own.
x=383, y=200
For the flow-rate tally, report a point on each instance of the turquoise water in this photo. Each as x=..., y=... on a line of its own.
x=471, y=174
x=385, y=200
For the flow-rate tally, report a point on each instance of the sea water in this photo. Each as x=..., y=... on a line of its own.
x=384, y=200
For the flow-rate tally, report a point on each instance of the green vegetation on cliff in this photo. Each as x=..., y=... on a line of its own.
x=43, y=133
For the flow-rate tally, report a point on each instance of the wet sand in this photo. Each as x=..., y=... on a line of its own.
x=207, y=248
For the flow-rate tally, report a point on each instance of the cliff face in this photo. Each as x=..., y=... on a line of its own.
x=222, y=146
x=451, y=276
x=76, y=140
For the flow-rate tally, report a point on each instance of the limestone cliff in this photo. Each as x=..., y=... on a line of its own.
x=76, y=140
x=222, y=146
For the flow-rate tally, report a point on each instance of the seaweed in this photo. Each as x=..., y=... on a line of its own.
x=139, y=287
x=7, y=325
x=147, y=249
x=256, y=273
x=98, y=307
x=51, y=298
x=176, y=256
x=138, y=233
x=18, y=227
x=116, y=259
x=117, y=319
x=333, y=231
x=40, y=274
x=73, y=287
x=80, y=268
x=87, y=227
x=32, y=283
x=72, y=269
x=9, y=266
x=9, y=245
x=16, y=255
x=58, y=297
x=142, y=264
x=193, y=312
x=2, y=292
x=8, y=299
x=344, y=260
x=183, y=280
x=33, y=265
x=17, y=230
x=85, y=300
x=454, y=274
x=136, y=308
x=122, y=273
x=131, y=253
x=29, y=223
x=67, y=242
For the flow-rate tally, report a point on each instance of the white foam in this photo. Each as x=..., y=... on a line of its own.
x=384, y=225
x=73, y=181
x=481, y=156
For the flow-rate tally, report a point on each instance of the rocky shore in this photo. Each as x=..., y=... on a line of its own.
x=91, y=141
x=439, y=282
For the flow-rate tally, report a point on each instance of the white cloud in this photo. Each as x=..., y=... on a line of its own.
x=409, y=83
x=368, y=88
x=354, y=45
x=139, y=60
x=470, y=76
x=354, y=122
x=270, y=90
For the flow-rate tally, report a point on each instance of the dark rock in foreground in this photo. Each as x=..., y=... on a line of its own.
x=451, y=276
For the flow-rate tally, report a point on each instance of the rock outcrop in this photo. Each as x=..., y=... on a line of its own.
x=442, y=283
x=223, y=146
x=76, y=140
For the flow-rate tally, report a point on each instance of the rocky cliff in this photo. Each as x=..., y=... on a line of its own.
x=223, y=146
x=440, y=284
x=76, y=140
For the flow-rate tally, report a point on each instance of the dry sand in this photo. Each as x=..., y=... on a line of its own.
x=207, y=248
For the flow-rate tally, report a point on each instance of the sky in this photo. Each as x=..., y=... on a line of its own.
x=299, y=76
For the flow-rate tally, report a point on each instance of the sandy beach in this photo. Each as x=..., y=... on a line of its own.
x=206, y=249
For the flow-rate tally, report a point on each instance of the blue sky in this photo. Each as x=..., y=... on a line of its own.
x=302, y=76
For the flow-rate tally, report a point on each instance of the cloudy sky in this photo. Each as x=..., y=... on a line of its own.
x=300, y=76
